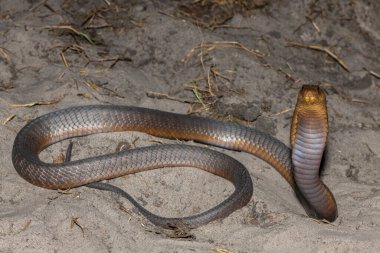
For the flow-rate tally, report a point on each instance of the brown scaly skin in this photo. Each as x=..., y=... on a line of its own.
x=310, y=97
x=308, y=139
x=84, y=120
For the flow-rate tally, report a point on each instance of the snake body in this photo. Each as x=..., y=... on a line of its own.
x=308, y=139
x=84, y=120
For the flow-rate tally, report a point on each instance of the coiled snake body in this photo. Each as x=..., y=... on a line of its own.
x=308, y=137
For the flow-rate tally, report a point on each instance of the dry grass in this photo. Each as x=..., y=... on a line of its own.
x=207, y=47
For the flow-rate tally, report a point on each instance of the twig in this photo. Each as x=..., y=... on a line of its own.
x=77, y=49
x=132, y=215
x=322, y=49
x=289, y=76
x=75, y=31
x=8, y=119
x=65, y=192
x=107, y=2
x=92, y=85
x=309, y=15
x=313, y=23
x=100, y=89
x=62, y=54
x=38, y=5
x=220, y=250
x=198, y=95
x=159, y=95
x=361, y=101
x=355, y=100
x=44, y=102
x=74, y=221
x=95, y=71
x=4, y=53
x=283, y=111
x=324, y=221
x=85, y=95
x=373, y=73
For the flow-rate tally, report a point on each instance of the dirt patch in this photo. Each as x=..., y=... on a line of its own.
x=222, y=59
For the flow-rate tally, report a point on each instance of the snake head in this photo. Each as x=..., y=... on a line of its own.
x=311, y=95
x=311, y=100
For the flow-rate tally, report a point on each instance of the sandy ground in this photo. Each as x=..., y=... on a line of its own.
x=68, y=53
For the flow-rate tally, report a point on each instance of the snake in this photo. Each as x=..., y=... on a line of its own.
x=299, y=165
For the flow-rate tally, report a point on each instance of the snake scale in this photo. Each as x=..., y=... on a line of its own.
x=308, y=138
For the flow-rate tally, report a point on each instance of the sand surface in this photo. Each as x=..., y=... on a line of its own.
x=66, y=53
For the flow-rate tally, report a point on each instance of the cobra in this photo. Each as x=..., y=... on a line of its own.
x=308, y=137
